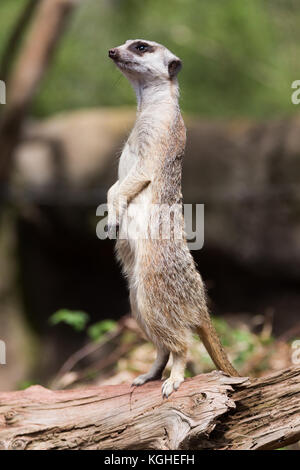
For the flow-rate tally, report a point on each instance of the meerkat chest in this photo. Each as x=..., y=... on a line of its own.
x=127, y=160
x=138, y=210
x=143, y=131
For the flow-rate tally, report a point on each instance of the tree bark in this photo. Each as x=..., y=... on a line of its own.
x=48, y=26
x=15, y=38
x=209, y=411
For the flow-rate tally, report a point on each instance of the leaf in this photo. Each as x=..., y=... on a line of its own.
x=98, y=330
x=26, y=384
x=76, y=319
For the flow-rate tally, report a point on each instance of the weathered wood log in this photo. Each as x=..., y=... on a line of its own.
x=209, y=411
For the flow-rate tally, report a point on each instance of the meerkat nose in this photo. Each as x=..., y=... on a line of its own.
x=112, y=53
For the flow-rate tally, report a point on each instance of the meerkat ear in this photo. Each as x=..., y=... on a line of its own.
x=174, y=67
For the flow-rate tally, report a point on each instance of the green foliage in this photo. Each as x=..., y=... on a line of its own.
x=76, y=319
x=241, y=340
x=188, y=373
x=9, y=11
x=239, y=57
x=26, y=384
x=99, y=329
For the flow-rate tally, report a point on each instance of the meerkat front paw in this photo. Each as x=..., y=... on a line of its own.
x=170, y=385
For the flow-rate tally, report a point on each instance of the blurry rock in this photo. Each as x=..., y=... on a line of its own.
x=246, y=174
x=76, y=148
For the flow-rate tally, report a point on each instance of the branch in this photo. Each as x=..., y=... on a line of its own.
x=15, y=38
x=209, y=411
x=33, y=62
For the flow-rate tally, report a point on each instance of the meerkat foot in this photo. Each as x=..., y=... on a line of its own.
x=171, y=385
x=177, y=374
x=155, y=373
x=142, y=379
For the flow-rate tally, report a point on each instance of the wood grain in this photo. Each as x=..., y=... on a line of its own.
x=209, y=411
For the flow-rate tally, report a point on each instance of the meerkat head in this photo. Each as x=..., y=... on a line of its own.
x=143, y=61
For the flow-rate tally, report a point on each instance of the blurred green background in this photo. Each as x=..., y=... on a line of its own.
x=240, y=57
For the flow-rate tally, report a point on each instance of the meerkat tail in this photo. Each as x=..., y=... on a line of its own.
x=213, y=345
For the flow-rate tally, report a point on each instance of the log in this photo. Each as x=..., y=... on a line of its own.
x=209, y=411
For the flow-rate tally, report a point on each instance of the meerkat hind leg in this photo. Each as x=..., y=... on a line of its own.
x=177, y=375
x=156, y=370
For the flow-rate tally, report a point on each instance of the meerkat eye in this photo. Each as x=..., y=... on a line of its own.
x=142, y=47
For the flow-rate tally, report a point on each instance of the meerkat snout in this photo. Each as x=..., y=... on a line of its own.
x=143, y=60
x=112, y=53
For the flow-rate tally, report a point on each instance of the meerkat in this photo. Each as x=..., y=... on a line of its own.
x=167, y=294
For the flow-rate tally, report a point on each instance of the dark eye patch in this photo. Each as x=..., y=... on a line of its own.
x=140, y=48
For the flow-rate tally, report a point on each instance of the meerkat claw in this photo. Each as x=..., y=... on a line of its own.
x=170, y=385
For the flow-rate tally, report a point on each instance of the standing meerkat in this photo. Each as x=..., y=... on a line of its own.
x=167, y=295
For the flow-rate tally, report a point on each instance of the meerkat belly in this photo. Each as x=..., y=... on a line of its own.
x=136, y=221
x=139, y=218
